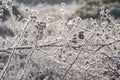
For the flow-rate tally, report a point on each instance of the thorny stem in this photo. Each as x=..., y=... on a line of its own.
x=13, y=51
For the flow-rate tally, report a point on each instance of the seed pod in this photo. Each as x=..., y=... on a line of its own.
x=81, y=35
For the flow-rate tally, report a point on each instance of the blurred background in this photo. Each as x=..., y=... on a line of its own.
x=74, y=8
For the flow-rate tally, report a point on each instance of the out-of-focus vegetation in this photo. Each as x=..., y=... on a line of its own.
x=5, y=12
x=37, y=2
x=84, y=8
x=91, y=8
x=87, y=8
x=50, y=40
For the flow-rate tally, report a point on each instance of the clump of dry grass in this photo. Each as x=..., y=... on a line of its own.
x=75, y=49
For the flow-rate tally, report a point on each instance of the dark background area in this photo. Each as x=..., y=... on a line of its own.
x=86, y=9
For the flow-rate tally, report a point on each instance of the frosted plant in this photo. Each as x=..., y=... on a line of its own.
x=62, y=49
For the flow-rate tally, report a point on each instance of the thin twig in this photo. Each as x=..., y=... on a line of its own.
x=103, y=45
x=76, y=58
x=53, y=45
x=13, y=51
x=24, y=71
